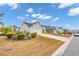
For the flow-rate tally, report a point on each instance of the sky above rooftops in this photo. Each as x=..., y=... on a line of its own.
x=55, y=14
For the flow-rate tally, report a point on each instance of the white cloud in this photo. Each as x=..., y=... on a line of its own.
x=41, y=16
x=21, y=18
x=27, y=15
x=55, y=19
x=35, y=15
x=30, y=10
x=44, y=16
x=33, y=21
x=13, y=6
x=63, y=5
x=73, y=11
x=67, y=25
x=47, y=17
x=2, y=4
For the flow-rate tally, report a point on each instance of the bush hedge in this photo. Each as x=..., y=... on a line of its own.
x=9, y=35
x=20, y=36
x=46, y=33
x=33, y=35
x=59, y=33
x=27, y=34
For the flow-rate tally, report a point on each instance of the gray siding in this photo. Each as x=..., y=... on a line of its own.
x=24, y=28
x=36, y=28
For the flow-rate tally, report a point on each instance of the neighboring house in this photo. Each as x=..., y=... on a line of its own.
x=1, y=24
x=15, y=28
x=49, y=29
x=37, y=27
x=75, y=31
x=60, y=29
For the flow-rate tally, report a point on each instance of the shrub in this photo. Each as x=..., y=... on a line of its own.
x=20, y=36
x=33, y=35
x=66, y=33
x=18, y=33
x=59, y=33
x=46, y=33
x=9, y=35
x=27, y=34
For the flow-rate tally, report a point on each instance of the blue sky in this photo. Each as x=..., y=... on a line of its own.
x=54, y=14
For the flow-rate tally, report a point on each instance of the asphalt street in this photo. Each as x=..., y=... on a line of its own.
x=73, y=47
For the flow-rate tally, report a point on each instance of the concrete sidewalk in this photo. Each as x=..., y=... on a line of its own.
x=54, y=37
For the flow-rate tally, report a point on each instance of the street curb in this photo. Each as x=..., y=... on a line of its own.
x=61, y=49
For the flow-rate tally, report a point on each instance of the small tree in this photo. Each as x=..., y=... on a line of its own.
x=5, y=29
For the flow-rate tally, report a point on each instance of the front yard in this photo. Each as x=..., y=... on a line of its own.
x=40, y=46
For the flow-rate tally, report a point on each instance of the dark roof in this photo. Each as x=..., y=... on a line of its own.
x=15, y=26
x=35, y=22
x=30, y=24
x=2, y=23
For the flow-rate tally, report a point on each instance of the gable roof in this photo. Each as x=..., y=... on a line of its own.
x=30, y=24
x=2, y=23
